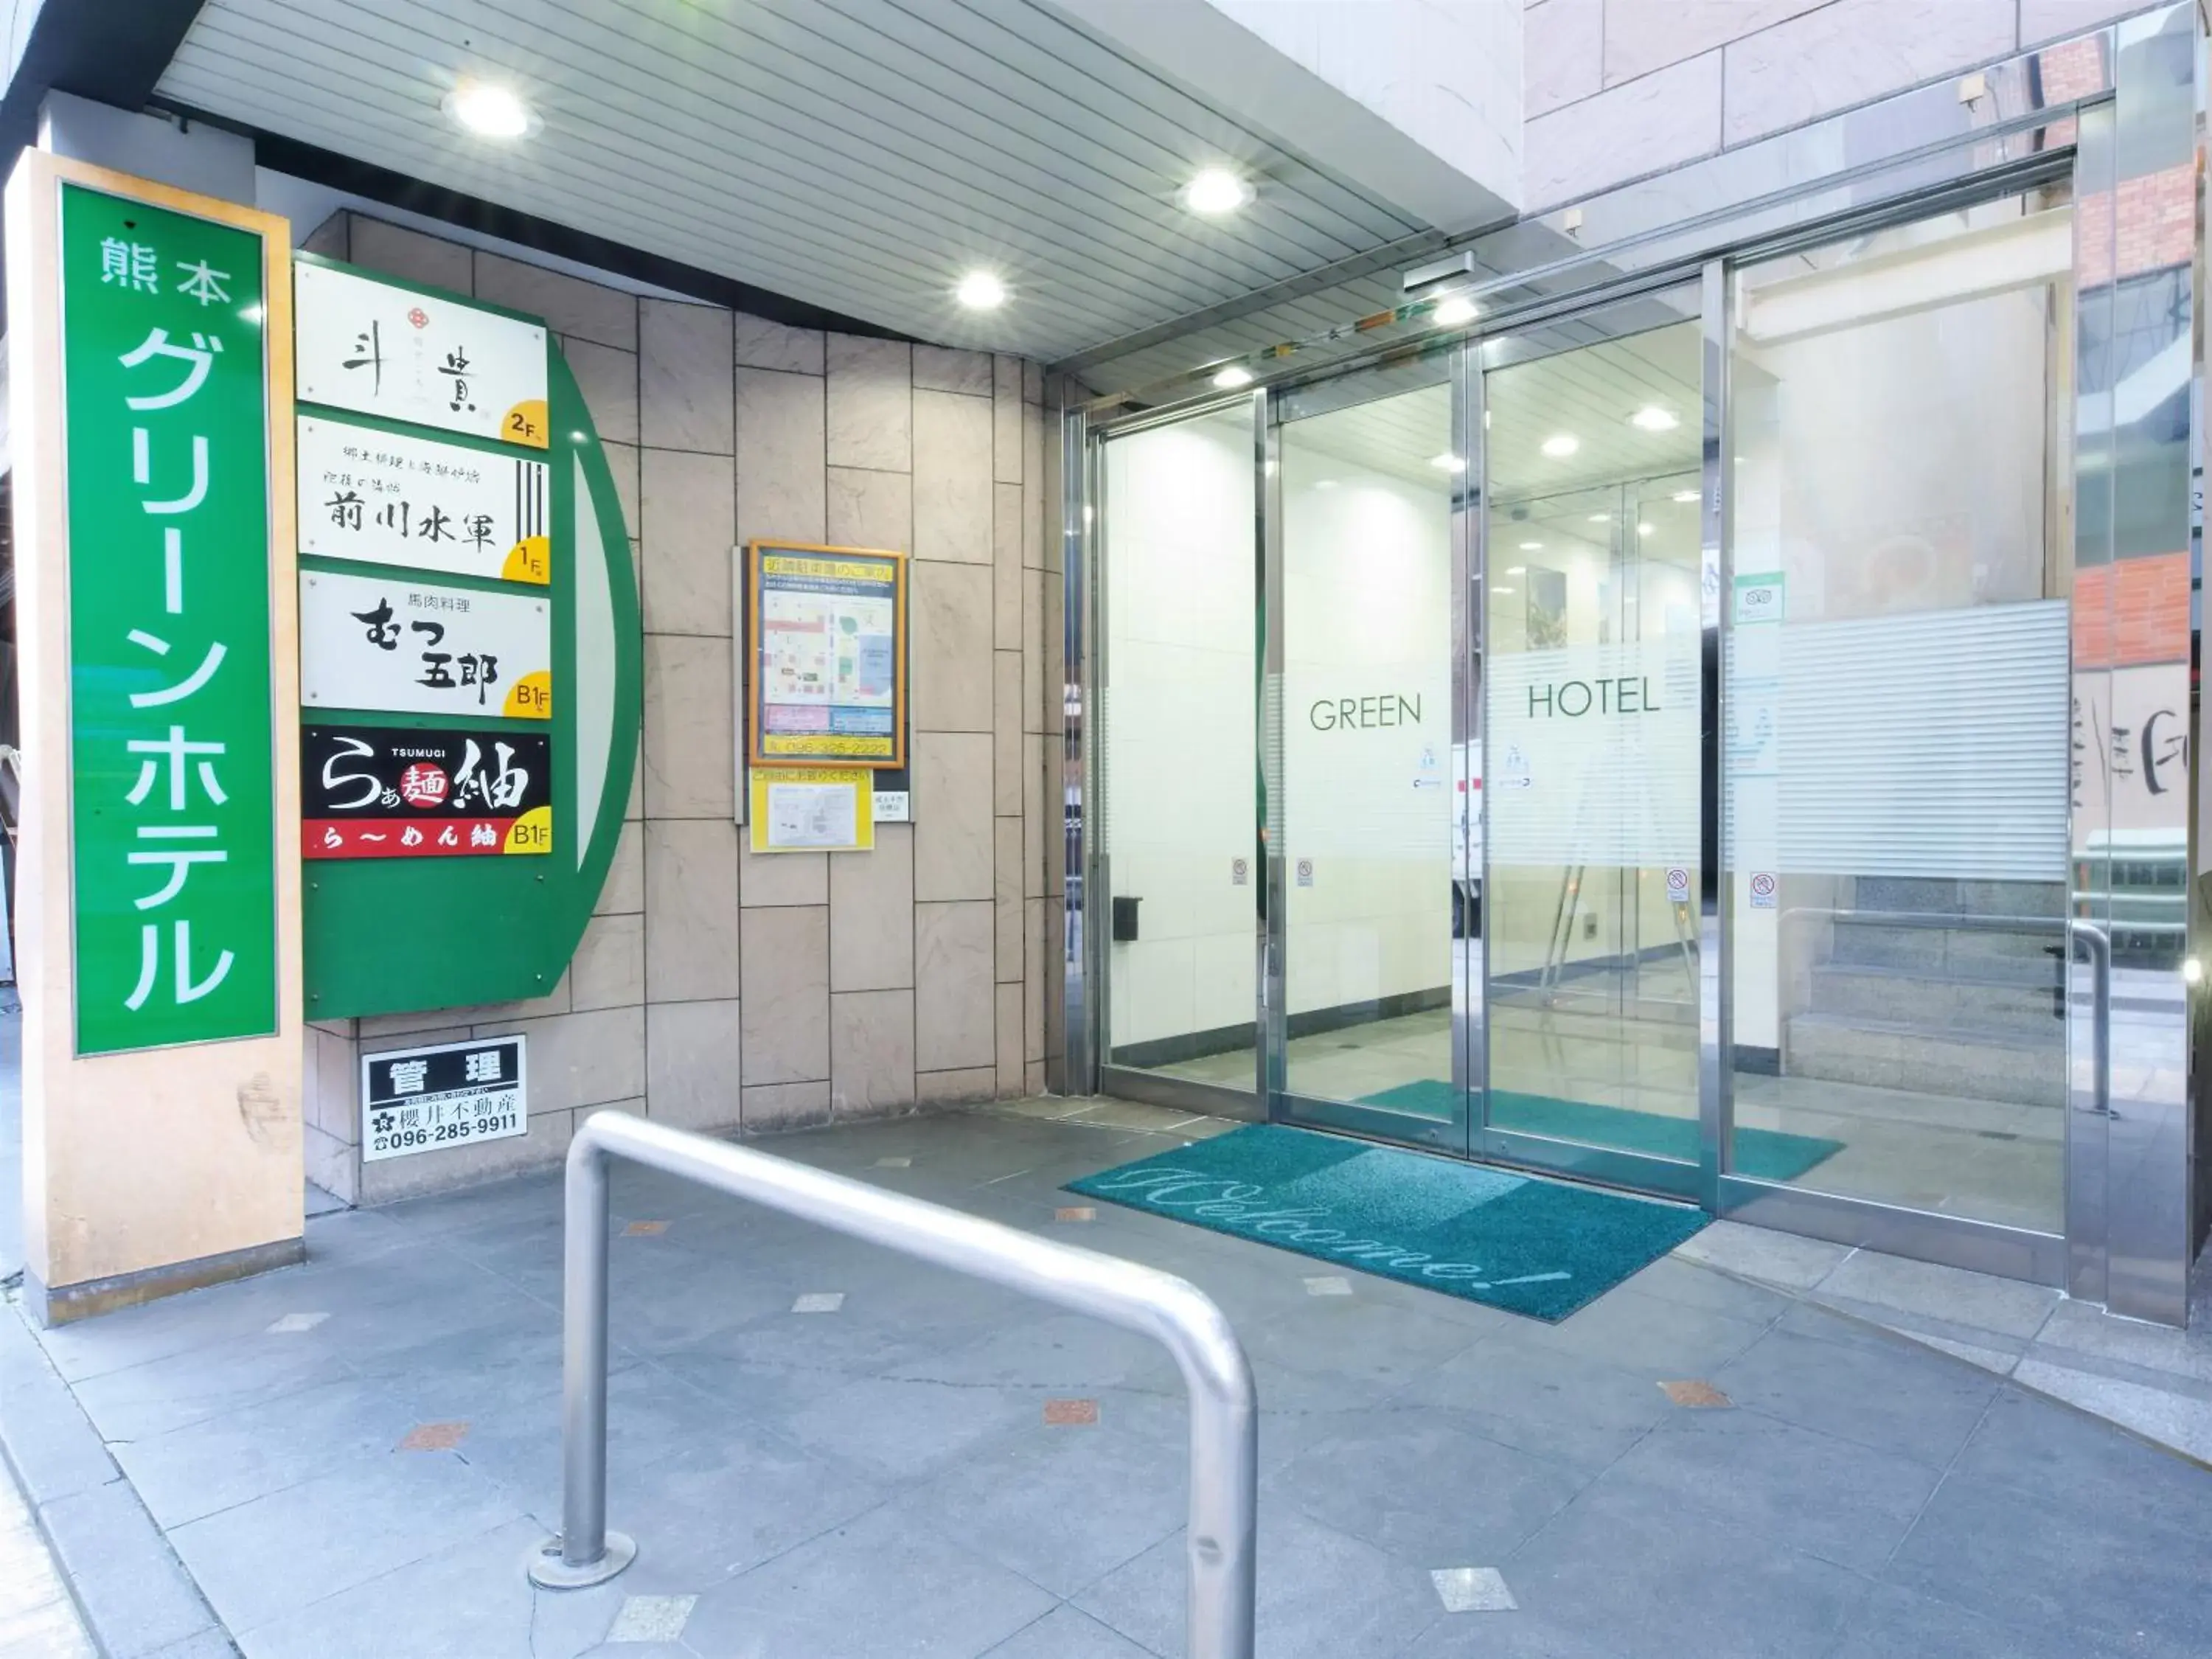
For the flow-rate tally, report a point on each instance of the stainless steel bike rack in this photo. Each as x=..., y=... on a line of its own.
x=1224, y=1409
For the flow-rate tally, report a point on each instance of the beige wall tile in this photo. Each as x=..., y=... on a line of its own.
x=568, y=304
x=1008, y=890
x=330, y=1164
x=773, y=1106
x=623, y=892
x=1033, y=1078
x=1007, y=724
x=580, y=1059
x=691, y=766
x=1645, y=125
x=1639, y=39
x=331, y=1098
x=1037, y=501
x=781, y=878
x=958, y=1088
x=683, y=358
x=1007, y=438
x=608, y=379
x=623, y=466
x=1007, y=1030
x=2055, y=20
x=1033, y=981
x=330, y=237
x=608, y=970
x=1007, y=566
x=1033, y=703
x=954, y=1009
x=871, y=509
x=952, y=502
x=692, y=935
x=781, y=477
x=692, y=1064
x=688, y=522
x=950, y=623
x=952, y=796
x=1039, y=833
x=870, y=1051
x=410, y=255
x=382, y=1031
x=939, y=368
x=1562, y=52
x=870, y=404
x=787, y=994
x=1851, y=51
x=1032, y=381
x=871, y=914
x=761, y=344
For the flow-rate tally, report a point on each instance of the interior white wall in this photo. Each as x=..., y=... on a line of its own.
x=1181, y=779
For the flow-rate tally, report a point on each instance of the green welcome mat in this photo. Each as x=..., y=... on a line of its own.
x=1762, y=1154
x=1529, y=1246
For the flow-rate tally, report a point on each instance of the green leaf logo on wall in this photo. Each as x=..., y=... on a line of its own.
x=450, y=487
x=174, y=804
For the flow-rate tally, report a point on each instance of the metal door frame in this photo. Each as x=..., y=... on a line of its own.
x=2131, y=1227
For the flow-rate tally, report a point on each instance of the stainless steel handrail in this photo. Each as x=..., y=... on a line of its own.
x=1218, y=1545
x=2072, y=929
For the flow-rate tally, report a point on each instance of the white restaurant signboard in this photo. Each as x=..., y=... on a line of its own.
x=386, y=499
x=417, y=648
x=391, y=352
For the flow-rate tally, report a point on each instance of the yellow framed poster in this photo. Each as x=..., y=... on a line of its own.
x=825, y=635
x=812, y=809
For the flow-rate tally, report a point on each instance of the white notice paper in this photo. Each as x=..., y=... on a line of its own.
x=813, y=814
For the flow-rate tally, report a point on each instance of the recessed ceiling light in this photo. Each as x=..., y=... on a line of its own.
x=1232, y=377
x=1686, y=495
x=1516, y=569
x=488, y=110
x=1532, y=547
x=1217, y=190
x=980, y=291
x=1601, y=518
x=1560, y=444
x=1448, y=463
x=1456, y=312
x=1501, y=590
x=1652, y=419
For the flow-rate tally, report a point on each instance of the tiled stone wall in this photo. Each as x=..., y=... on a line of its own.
x=1617, y=90
x=715, y=989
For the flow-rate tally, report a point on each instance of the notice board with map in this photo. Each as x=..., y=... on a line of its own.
x=826, y=642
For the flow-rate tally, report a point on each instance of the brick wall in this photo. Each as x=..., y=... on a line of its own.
x=714, y=989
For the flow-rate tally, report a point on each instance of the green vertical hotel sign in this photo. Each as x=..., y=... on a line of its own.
x=164, y=351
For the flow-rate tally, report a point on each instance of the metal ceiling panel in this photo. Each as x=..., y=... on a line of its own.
x=859, y=154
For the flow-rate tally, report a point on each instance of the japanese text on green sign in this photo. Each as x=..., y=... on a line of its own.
x=174, y=811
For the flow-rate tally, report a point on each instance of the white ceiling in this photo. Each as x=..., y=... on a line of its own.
x=859, y=155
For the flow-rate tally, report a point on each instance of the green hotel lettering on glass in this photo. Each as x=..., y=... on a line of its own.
x=167, y=450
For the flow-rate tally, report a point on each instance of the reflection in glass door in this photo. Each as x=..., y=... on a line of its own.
x=1367, y=475
x=1591, y=734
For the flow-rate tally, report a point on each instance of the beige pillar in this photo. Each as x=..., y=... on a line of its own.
x=157, y=1170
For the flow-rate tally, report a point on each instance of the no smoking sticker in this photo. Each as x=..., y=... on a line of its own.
x=1764, y=890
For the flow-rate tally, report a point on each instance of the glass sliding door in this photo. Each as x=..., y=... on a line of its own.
x=1900, y=743
x=1591, y=661
x=1179, y=769
x=1366, y=487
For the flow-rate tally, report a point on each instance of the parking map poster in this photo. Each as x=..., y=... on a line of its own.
x=827, y=635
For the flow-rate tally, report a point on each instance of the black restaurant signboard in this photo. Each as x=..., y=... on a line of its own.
x=391, y=791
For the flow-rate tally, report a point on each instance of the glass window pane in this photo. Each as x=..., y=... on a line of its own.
x=1367, y=807
x=1896, y=697
x=1591, y=736
x=1180, y=775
